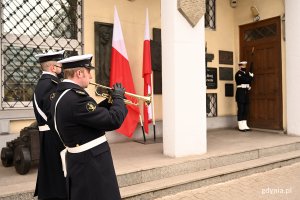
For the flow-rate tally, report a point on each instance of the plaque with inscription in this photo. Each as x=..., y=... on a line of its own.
x=228, y=90
x=211, y=78
x=226, y=57
x=226, y=73
x=155, y=45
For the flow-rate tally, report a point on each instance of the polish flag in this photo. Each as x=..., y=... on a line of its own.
x=120, y=73
x=147, y=71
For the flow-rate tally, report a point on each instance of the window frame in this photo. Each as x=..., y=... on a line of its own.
x=36, y=41
x=207, y=13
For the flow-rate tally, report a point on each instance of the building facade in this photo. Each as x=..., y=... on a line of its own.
x=189, y=104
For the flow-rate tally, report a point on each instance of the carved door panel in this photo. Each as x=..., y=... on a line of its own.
x=265, y=110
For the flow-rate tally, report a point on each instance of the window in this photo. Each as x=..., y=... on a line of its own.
x=211, y=105
x=29, y=27
x=260, y=33
x=210, y=15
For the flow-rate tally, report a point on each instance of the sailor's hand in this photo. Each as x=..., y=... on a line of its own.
x=118, y=91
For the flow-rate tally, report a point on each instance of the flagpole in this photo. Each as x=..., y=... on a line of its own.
x=142, y=128
x=152, y=102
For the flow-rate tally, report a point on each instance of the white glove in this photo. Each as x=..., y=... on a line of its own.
x=251, y=74
x=249, y=88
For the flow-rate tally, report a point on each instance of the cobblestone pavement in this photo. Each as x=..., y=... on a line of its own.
x=277, y=184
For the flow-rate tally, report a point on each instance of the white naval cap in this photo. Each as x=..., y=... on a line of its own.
x=243, y=63
x=77, y=61
x=50, y=56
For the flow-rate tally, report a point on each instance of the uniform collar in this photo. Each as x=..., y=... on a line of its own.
x=68, y=84
x=50, y=73
x=69, y=81
x=49, y=76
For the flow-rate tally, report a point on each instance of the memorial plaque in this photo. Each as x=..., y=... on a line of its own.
x=228, y=90
x=156, y=61
x=103, y=46
x=226, y=73
x=156, y=34
x=211, y=78
x=226, y=57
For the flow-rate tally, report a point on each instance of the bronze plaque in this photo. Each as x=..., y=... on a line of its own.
x=226, y=73
x=156, y=60
x=103, y=45
x=226, y=57
x=228, y=90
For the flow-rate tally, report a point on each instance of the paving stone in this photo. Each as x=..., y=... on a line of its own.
x=277, y=184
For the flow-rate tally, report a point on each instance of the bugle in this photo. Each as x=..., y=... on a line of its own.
x=146, y=99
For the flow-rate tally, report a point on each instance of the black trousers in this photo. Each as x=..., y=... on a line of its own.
x=242, y=111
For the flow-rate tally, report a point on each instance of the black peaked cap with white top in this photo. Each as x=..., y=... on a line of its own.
x=77, y=61
x=50, y=56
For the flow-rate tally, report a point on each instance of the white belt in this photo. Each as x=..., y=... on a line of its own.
x=44, y=128
x=87, y=146
x=243, y=86
x=79, y=149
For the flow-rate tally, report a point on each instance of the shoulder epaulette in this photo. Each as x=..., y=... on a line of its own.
x=80, y=92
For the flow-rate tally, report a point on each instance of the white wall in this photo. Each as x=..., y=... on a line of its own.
x=292, y=66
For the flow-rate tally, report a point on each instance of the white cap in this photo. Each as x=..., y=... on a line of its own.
x=243, y=63
x=50, y=56
x=77, y=61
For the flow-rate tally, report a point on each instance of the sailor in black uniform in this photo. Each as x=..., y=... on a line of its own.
x=81, y=124
x=243, y=80
x=50, y=183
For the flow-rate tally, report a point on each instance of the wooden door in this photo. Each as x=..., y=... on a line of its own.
x=264, y=40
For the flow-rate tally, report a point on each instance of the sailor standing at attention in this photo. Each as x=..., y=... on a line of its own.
x=50, y=182
x=243, y=80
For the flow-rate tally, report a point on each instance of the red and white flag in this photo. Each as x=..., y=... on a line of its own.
x=120, y=73
x=147, y=71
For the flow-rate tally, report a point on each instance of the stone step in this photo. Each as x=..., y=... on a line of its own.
x=200, y=164
x=172, y=185
x=131, y=183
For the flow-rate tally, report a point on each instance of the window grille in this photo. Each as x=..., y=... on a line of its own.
x=211, y=105
x=29, y=27
x=260, y=33
x=210, y=15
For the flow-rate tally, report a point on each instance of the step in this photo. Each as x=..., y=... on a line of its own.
x=196, y=164
x=199, y=164
x=172, y=185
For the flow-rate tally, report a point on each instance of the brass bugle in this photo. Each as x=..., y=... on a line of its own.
x=146, y=99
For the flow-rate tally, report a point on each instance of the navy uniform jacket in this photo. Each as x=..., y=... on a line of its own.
x=90, y=174
x=50, y=180
x=242, y=94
